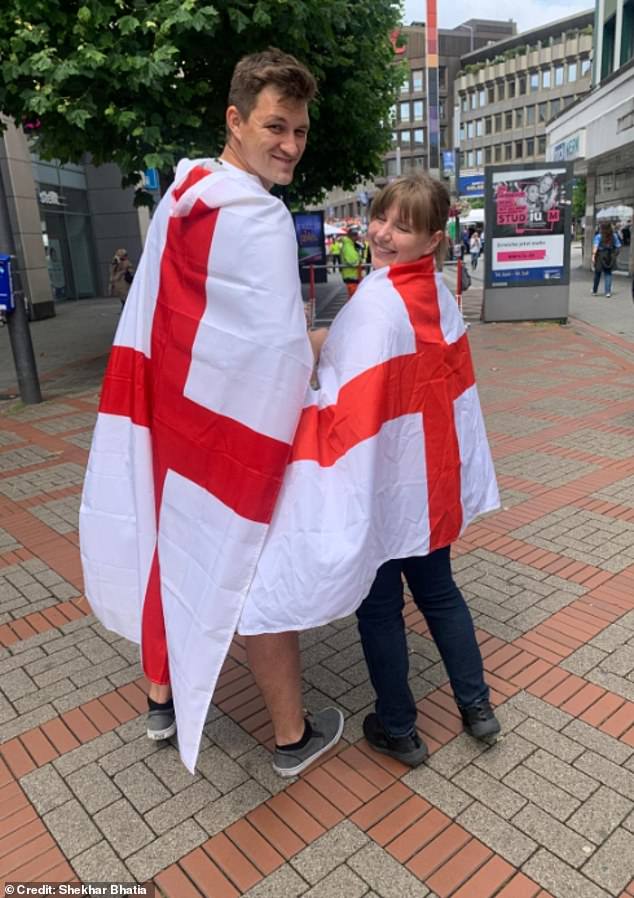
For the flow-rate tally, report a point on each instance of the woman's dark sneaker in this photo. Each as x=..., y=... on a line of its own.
x=161, y=720
x=480, y=721
x=410, y=750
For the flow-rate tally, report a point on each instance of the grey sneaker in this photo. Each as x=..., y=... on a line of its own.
x=327, y=728
x=161, y=723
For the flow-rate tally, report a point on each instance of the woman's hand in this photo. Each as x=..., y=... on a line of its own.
x=317, y=338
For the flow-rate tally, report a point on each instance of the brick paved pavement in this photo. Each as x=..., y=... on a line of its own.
x=548, y=811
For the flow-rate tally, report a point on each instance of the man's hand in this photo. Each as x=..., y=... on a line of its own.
x=317, y=338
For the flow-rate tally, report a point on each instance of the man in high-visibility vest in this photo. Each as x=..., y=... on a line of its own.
x=350, y=260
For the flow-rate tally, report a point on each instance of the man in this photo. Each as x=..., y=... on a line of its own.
x=200, y=403
x=350, y=260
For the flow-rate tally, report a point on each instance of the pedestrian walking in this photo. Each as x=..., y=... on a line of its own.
x=121, y=275
x=605, y=249
x=474, y=249
x=350, y=258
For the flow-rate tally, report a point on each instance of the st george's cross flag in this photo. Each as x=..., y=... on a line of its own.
x=200, y=401
x=390, y=459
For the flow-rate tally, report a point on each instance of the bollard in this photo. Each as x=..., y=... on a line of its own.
x=23, y=355
x=312, y=296
x=459, y=283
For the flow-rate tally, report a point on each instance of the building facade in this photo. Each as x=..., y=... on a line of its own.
x=409, y=137
x=62, y=223
x=506, y=93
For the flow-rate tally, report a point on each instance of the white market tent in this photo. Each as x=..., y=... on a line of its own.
x=619, y=213
x=475, y=216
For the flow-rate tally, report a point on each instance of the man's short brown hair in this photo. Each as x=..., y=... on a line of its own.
x=272, y=68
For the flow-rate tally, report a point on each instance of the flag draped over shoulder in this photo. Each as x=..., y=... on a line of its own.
x=201, y=398
x=390, y=459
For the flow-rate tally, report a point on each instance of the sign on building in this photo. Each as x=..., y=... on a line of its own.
x=470, y=186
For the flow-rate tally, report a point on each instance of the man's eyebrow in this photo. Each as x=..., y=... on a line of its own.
x=281, y=120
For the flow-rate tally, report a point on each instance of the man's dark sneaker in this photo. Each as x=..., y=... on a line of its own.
x=326, y=728
x=480, y=721
x=410, y=750
x=161, y=720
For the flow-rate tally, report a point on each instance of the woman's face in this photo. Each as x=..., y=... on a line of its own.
x=393, y=241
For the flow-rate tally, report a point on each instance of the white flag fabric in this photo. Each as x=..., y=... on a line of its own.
x=390, y=459
x=201, y=398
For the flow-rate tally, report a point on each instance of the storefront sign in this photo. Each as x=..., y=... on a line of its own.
x=448, y=163
x=471, y=185
x=527, y=226
x=309, y=229
x=51, y=198
x=567, y=149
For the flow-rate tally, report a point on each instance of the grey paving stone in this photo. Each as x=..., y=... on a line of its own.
x=532, y=706
x=500, y=835
x=606, y=772
x=384, y=874
x=506, y=754
x=235, y=804
x=93, y=788
x=7, y=712
x=257, y=764
x=80, y=696
x=338, y=662
x=44, y=696
x=620, y=661
x=583, y=660
x=125, y=755
x=329, y=851
x=230, y=737
x=124, y=829
x=559, y=878
x=132, y=729
x=220, y=770
x=590, y=737
x=166, y=850
x=559, y=745
x=600, y=815
x=342, y=881
x=437, y=790
x=72, y=828
x=167, y=765
x=24, y=659
x=139, y=785
x=283, y=883
x=45, y=788
x=181, y=806
x=612, y=683
x=357, y=698
x=17, y=684
x=543, y=793
x=611, y=638
x=100, y=864
x=613, y=864
x=326, y=681
x=489, y=791
x=561, y=840
x=563, y=775
x=451, y=758
x=25, y=722
x=85, y=754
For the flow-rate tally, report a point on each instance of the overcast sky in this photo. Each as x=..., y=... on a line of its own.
x=527, y=14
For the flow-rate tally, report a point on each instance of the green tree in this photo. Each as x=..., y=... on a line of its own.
x=142, y=83
x=579, y=198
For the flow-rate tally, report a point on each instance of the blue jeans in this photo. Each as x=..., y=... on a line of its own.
x=607, y=280
x=384, y=643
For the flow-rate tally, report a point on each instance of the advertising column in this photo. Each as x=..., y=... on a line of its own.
x=528, y=215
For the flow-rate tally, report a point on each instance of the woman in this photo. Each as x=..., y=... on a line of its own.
x=605, y=250
x=474, y=249
x=390, y=461
x=121, y=274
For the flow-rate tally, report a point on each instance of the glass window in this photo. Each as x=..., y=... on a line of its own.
x=443, y=137
x=568, y=101
x=519, y=117
x=530, y=146
x=498, y=152
x=390, y=167
x=441, y=109
x=403, y=111
x=521, y=85
x=442, y=77
x=464, y=103
x=417, y=79
x=572, y=71
x=470, y=130
x=498, y=122
x=555, y=105
x=419, y=139
x=463, y=131
x=491, y=93
x=478, y=157
x=519, y=147
x=419, y=162
x=482, y=97
x=542, y=113
x=473, y=97
x=508, y=119
x=488, y=125
x=534, y=82
x=405, y=85
x=469, y=158
x=508, y=151
x=406, y=138
x=559, y=75
x=541, y=144
x=530, y=115
x=394, y=137
x=501, y=90
x=511, y=88
x=546, y=78
x=487, y=155
x=480, y=127
x=586, y=65
x=419, y=110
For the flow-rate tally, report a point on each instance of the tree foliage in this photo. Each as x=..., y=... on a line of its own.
x=142, y=83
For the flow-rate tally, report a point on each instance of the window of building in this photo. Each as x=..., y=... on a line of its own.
x=403, y=110
x=470, y=130
x=519, y=117
x=487, y=155
x=406, y=139
x=559, y=75
x=501, y=90
x=394, y=138
x=390, y=167
x=488, y=125
x=441, y=109
x=530, y=146
x=443, y=137
x=478, y=157
x=530, y=115
x=469, y=158
x=508, y=119
x=586, y=65
x=464, y=103
x=572, y=71
x=480, y=127
x=511, y=88
x=498, y=122
x=519, y=148
x=491, y=93
x=508, y=151
x=417, y=79
x=463, y=131
x=473, y=100
x=521, y=85
x=419, y=137
x=542, y=113
x=568, y=101
x=405, y=85
x=419, y=110
x=546, y=78
x=482, y=97
x=442, y=77
x=555, y=105
x=541, y=144
x=534, y=82
x=419, y=162
x=498, y=152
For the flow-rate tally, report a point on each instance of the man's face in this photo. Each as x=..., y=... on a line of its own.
x=271, y=141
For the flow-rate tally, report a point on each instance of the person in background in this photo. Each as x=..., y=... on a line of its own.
x=474, y=249
x=605, y=250
x=121, y=275
x=350, y=260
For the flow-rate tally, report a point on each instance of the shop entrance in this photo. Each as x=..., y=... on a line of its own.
x=67, y=240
